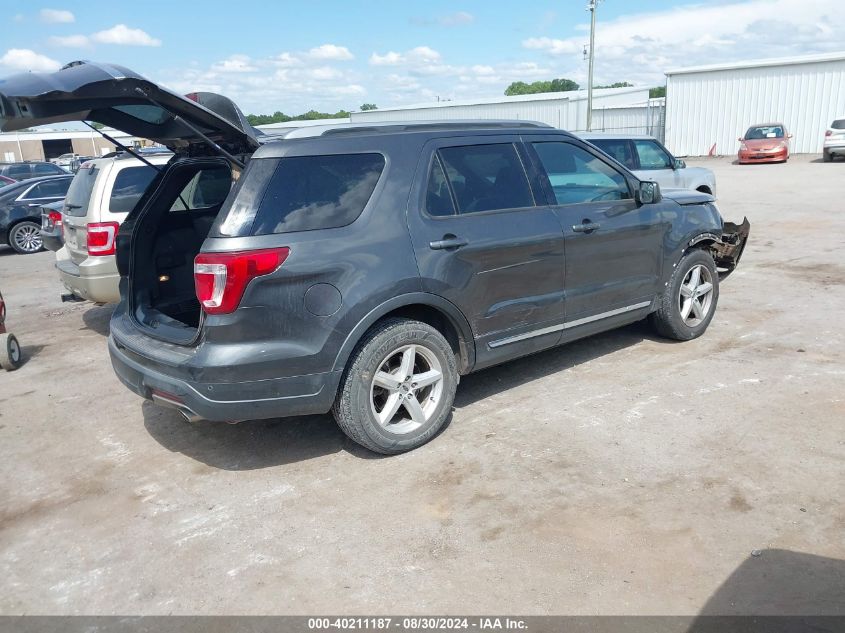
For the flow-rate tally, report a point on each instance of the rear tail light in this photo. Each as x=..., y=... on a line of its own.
x=101, y=237
x=828, y=133
x=220, y=279
x=55, y=218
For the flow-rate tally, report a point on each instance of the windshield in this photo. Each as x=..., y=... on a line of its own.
x=839, y=124
x=79, y=193
x=761, y=132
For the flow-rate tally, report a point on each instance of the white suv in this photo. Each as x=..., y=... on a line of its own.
x=650, y=160
x=102, y=194
x=834, y=140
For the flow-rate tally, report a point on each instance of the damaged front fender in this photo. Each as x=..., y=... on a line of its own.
x=728, y=249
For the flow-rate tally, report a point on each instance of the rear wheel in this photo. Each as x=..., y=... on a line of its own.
x=25, y=237
x=398, y=389
x=10, y=352
x=689, y=302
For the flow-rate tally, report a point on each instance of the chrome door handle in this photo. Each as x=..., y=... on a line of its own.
x=449, y=241
x=586, y=227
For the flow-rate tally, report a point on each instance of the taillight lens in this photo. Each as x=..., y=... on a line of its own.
x=828, y=133
x=220, y=279
x=101, y=237
x=55, y=218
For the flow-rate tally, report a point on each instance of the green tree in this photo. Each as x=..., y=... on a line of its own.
x=537, y=87
x=281, y=117
x=368, y=106
x=654, y=93
x=618, y=84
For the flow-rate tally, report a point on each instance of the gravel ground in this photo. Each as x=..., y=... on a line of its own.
x=622, y=474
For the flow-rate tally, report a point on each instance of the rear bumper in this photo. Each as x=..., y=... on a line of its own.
x=224, y=402
x=95, y=278
x=838, y=149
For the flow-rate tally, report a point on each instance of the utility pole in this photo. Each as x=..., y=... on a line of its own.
x=591, y=7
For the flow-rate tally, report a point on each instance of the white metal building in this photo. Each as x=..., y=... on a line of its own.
x=709, y=106
x=44, y=143
x=565, y=110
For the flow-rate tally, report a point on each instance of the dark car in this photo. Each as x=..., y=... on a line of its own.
x=52, y=237
x=27, y=170
x=20, y=210
x=364, y=269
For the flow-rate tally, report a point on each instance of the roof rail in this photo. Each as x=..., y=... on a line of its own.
x=404, y=126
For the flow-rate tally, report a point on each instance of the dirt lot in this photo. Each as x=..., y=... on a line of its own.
x=620, y=474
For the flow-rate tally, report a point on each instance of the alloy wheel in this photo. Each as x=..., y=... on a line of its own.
x=406, y=389
x=27, y=238
x=695, y=298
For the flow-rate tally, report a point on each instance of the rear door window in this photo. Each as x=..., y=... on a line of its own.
x=438, y=198
x=129, y=185
x=43, y=169
x=300, y=193
x=19, y=172
x=486, y=177
x=49, y=189
x=618, y=149
x=79, y=193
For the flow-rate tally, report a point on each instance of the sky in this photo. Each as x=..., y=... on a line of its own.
x=328, y=55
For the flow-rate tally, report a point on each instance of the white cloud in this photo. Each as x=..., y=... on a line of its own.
x=330, y=52
x=123, y=35
x=70, y=41
x=235, y=64
x=56, y=16
x=421, y=55
x=26, y=59
x=640, y=47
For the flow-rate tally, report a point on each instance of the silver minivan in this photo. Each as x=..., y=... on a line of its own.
x=101, y=195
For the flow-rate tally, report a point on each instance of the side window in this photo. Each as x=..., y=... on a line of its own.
x=575, y=175
x=619, y=150
x=129, y=185
x=438, y=199
x=33, y=193
x=208, y=188
x=43, y=169
x=486, y=177
x=52, y=188
x=19, y=172
x=652, y=156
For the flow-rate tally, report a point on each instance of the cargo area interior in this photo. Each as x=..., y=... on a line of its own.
x=169, y=235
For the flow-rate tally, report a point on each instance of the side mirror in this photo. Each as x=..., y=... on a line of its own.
x=648, y=192
x=679, y=164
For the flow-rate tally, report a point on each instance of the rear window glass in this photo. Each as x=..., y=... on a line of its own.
x=79, y=192
x=839, y=124
x=44, y=169
x=620, y=150
x=19, y=172
x=129, y=185
x=300, y=193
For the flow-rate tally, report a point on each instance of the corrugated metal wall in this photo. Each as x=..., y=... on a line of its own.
x=636, y=119
x=563, y=113
x=717, y=106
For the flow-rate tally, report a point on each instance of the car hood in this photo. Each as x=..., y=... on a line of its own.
x=687, y=196
x=764, y=143
x=120, y=98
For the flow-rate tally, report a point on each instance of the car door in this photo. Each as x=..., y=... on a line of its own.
x=655, y=163
x=613, y=244
x=483, y=243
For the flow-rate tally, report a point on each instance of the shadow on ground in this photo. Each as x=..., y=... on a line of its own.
x=97, y=317
x=266, y=443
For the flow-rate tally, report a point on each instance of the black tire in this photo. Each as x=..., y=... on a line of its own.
x=10, y=352
x=20, y=236
x=668, y=320
x=356, y=402
x=826, y=156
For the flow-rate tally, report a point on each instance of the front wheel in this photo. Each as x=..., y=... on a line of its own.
x=25, y=238
x=398, y=389
x=689, y=301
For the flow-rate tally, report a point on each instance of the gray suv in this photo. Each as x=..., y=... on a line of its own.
x=364, y=269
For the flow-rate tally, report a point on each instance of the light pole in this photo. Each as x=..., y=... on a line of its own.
x=591, y=7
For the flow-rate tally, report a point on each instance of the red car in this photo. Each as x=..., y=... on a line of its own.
x=764, y=143
x=5, y=180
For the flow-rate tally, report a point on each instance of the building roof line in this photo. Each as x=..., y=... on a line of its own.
x=758, y=63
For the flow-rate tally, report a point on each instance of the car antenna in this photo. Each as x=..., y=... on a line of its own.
x=123, y=147
x=193, y=128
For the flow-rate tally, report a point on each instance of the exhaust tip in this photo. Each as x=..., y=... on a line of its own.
x=71, y=298
x=190, y=416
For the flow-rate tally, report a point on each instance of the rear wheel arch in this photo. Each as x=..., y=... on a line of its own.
x=436, y=311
